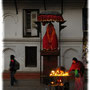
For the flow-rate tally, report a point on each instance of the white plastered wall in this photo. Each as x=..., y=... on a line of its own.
x=18, y=49
x=71, y=36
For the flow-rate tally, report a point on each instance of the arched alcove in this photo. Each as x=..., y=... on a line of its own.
x=12, y=16
x=7, y=52
x=67, y=57
x=10, y=23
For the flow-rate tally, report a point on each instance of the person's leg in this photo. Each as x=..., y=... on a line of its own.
x=79, y=83
x=76, y=84
x=12, y=78
x=82, y=83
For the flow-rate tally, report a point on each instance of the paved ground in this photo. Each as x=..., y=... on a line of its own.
x=32, y=84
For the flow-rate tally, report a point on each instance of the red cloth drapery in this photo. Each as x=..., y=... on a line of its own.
x=44, y=18
x=50, y=41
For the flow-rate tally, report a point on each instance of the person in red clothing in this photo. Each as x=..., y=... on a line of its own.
x=79, y=79
x=50, y=41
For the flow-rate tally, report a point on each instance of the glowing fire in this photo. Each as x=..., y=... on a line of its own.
x=52, y=82
x=58, y=73
x=58, y=81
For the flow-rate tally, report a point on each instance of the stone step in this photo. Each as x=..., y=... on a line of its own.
x=31, y=82
x=22, y=75
x=25, y=85
x=26, y=88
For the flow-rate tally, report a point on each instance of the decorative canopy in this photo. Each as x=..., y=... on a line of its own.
x=50, y=16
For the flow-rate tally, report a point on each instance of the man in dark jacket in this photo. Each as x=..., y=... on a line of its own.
x=79, y=79
x=12, y=70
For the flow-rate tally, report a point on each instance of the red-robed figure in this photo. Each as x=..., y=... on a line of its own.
x=50, y=41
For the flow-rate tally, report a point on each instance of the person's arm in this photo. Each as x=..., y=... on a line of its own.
x=73, y=67
x=11, y=66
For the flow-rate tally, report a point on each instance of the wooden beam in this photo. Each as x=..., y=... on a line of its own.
x=61, y=7
x=44, y=4
x=15, y=2
x=85, y=4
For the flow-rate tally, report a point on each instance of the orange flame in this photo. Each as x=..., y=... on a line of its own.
x=58, y=73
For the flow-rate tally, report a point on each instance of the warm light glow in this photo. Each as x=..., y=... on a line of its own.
x=58, y=73
x=61, y=84
x=53, y=72
x=52, y=82
x=60, y=80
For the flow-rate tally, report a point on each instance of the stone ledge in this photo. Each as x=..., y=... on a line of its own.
x=22, y=75
x=38, y=39
x=22, y=40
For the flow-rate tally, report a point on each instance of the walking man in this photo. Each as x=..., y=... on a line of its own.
x=12, y=69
